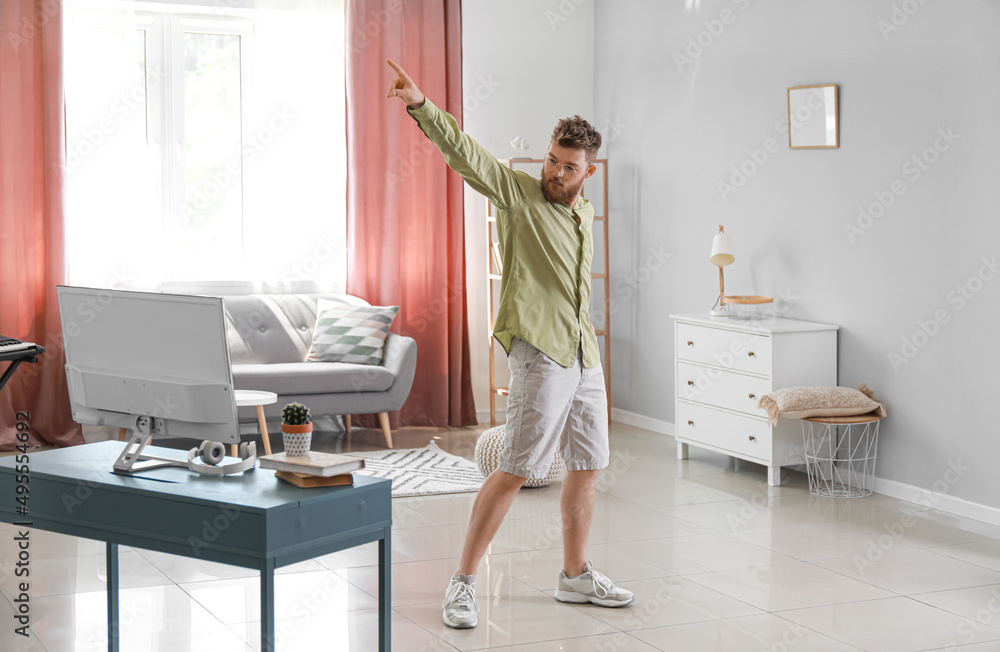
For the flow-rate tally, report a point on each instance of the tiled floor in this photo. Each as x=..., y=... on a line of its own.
x=717, y=559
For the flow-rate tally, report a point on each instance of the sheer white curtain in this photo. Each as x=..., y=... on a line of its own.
x=205, y=145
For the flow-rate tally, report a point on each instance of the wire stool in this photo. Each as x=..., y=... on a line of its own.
x=840, y=455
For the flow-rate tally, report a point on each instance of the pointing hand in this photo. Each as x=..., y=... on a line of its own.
x=404, y=88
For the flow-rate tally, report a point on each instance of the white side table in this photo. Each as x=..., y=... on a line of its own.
x=248, y=397
x=840, y=454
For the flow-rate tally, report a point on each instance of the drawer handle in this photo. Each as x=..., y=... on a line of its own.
x=691, y=383
x=752, y=438
x=753, y=396
x=690, y=342
x=751, y=354
x=690, y=422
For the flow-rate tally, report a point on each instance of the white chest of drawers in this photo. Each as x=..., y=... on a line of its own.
x=723, y=366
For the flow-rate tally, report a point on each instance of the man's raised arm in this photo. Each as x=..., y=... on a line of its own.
x=478, y=167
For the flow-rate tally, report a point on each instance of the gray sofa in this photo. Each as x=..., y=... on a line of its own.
x=269, y=336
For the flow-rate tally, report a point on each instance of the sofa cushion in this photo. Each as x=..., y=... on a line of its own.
x=287, y=378
x=346, y=333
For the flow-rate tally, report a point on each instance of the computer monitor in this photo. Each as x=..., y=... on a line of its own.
x=155, y=364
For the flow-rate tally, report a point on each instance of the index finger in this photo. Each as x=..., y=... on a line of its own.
x=399, y=71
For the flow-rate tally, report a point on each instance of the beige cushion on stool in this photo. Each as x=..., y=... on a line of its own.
x=802, y=402
x=489, y=447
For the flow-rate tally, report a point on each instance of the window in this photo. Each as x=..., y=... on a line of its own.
x=205, y=145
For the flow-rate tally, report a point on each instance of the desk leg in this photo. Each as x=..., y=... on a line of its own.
x=267, y=605
x=385, y=592
x=112, y=587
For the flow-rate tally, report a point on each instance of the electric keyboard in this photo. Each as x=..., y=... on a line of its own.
x=9, y=345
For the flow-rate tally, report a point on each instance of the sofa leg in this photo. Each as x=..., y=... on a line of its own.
x=383, y=419
x=347, y=423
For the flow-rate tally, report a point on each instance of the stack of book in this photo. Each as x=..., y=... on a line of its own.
x=313, y=470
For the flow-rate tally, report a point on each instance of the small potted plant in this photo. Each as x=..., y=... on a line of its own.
x=296, y=430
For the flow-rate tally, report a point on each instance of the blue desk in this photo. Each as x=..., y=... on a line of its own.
x=251, y=519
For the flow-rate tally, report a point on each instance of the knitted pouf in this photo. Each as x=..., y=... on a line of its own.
x=490, y=446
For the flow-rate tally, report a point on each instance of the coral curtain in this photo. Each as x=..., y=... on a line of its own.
x=31, y=218
x=405, y=214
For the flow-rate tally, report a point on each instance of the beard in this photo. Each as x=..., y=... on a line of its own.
x=559, y=194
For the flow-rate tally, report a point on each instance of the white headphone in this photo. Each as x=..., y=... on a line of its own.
x=213, y=452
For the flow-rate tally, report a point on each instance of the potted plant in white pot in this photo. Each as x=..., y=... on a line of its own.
x=296, y=429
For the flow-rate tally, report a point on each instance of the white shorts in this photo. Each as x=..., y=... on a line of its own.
x=548, y=406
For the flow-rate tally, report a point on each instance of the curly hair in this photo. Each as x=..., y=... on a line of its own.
x=577, y=133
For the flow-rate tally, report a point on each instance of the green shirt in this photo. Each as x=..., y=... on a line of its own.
x=545, y=287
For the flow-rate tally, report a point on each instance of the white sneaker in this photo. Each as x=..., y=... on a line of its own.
x=592, y=587
x=461, y=609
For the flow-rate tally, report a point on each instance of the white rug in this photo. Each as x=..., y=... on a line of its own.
x=422, y=471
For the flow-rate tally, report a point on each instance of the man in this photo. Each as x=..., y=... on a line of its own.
x=557, y=395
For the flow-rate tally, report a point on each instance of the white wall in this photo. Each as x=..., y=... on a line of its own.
x=690, y=122
x=525, y=65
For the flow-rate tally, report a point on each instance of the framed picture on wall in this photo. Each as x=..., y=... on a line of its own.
x=813, y=117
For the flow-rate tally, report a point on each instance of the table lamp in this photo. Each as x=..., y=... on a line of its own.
x=722, y=255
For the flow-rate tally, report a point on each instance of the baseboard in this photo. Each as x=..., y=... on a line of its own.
x=891, y=488
x=640, y=421
x=941, y=501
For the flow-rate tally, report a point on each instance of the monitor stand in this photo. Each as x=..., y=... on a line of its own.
x=132, y=459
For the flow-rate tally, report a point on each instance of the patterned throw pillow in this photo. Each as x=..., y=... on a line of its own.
x=348, y=333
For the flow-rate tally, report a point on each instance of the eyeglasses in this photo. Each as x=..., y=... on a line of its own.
x=551, y=163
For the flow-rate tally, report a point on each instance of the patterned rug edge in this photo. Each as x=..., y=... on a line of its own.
x=422, y=471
